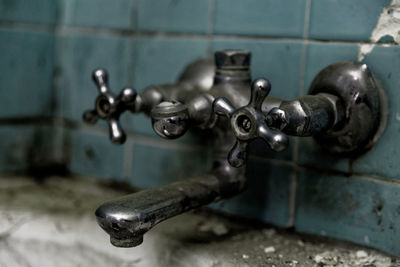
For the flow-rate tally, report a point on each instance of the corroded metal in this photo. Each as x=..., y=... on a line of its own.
x=363, y=103
x=110, y=107
x=249, y=122
x=170, y=119
x=307, y=116
x=343, y=112
x=197, y=77
x=127, y=219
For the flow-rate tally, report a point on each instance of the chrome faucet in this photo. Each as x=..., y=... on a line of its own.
x=343, y=112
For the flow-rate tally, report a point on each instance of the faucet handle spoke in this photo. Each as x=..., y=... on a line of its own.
x=249, y=123
x=109, y=107
x=117, y=134
x=238, y=154
x=223, y=107
x=276, y=140
x=260, y=89
x=100, y=78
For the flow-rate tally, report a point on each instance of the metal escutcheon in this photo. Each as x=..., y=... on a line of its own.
x=365, y=105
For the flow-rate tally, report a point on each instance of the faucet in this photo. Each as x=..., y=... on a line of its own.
x=343, y=112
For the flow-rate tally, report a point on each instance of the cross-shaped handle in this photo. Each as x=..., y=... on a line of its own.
x=110, y=107
x=249, y=122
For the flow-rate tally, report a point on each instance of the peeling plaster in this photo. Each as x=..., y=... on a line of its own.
x=388, y=25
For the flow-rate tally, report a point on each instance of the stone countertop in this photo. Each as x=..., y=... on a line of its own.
x=51, y=223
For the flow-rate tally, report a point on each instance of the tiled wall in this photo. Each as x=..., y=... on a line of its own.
x=26, y=75
x=48, y=50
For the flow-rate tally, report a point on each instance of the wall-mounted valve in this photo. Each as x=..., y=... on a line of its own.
x=344, y=112
x=109, y=107
x=249, y=122
x=197, y=77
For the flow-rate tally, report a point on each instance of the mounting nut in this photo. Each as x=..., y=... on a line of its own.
x=232, y=59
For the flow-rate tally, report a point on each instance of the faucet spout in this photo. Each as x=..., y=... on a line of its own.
x=128, y=218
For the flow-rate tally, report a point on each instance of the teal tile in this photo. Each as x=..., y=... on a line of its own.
x=52, y=139
x=254, y=17
x=92, y=154
x=28, y=148
x=140, y=123
x=383, y=159
x=14, y=148
x=26, y=69
x=161, y=60
x=278, y=61
x=116, y=14
x=259, y=148
x=78, y=56
x=191, y=16
x=43, y=153
x=312, y=155
x=267, y=196
x=344, y=20
x=154, y=165
x=353, y=209
x=319, y=56
x=38, y=11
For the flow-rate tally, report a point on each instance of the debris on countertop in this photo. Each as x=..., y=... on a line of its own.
x=359, y=258
x=215, y=227
x=269, y=249
x=52, y=224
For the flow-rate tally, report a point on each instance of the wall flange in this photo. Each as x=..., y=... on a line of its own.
x=365, y=105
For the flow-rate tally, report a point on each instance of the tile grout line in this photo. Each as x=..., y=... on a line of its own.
x=135, y=15
x=378, y=180
x=210, y=30
x=136, y=32
x=292, y=199
x=297, y=168
x=59, y=152
x=155, y=142
x=294, y=176
x=138, y=138
x=128, y=157
x=21, y=26
x=141, y=34
x=128, y=146
x=274, y=161
x=304, y=48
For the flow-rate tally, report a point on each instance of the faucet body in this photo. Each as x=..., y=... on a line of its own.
x=217, y=98
x=127, y=219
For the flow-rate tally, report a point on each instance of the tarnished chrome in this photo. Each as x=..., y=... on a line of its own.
x=127, y=219
x=364, y=107
x=307, y=116
x=249, y=122
x=198, y=76
x=110, y=107
x=170, y=119
x=232, y=59
x=343, y=112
